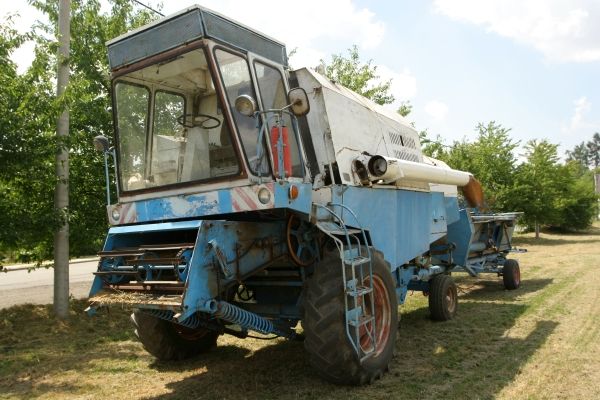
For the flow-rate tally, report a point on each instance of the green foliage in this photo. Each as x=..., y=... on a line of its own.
x=405, y=108
x=579, y=154
x=28, y=113
x=352, y=73
x=490, y=159
x=539, y=185
x=579, y=203
x=586, y=153
x=593, y=147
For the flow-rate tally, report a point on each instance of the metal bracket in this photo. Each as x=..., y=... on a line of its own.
x=221, y=259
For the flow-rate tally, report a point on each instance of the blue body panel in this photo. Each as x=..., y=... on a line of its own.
x=399, y=222
x=202, y=279
x=460, y=233
x=216, y=202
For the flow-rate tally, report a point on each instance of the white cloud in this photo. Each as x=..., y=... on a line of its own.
x=316, y=30
x=582, y=124
x=306, y=27
x=561, y=30
x=404, y=83
x=436, y=110
x=582, y=108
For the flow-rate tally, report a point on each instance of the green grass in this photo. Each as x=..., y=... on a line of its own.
x=540, y=341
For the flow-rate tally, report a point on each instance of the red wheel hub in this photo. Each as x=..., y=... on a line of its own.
x=383, y=317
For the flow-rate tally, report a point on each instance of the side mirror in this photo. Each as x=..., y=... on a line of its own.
x=101, y=143
x=299, y=101
x=245, y=105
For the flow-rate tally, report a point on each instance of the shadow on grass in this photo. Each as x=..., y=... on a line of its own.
x=493, y=289
x=468, y=357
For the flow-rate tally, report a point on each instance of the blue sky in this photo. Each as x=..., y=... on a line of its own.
x=531, y=65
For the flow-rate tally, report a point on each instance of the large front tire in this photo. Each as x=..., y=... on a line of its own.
x=330, y=352
x=168, y=341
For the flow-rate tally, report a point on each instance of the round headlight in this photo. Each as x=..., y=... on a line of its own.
x=245, y=105
x=264, y=196
x=116, y=214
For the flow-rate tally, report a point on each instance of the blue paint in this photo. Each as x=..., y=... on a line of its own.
x=203, y=272
x=164, y=226
x=395, y=219
x=224, y=197
x=452, y=209
x=438, y=217
x=302, y=203
x=460, y=233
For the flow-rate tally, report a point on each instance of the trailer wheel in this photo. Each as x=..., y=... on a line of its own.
x=443, y=298
x=330, y=352
x=511, y=274
x=168, y=341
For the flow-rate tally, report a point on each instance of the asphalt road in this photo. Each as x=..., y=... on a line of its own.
x=21, y=287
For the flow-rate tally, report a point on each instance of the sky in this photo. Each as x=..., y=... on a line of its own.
x=531, y=65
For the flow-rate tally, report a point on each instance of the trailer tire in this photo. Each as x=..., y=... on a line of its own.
x=511, y=274
x=330, y=352
x=168, y=341
x=443, y=298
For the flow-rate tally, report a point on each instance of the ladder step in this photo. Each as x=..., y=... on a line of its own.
x=359, y=291
x=362, y=320
x=335, y=229
x=358, y=260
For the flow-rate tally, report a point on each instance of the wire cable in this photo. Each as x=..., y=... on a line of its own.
x=148, y=7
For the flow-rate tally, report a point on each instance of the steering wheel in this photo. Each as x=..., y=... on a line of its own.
x=204, y=121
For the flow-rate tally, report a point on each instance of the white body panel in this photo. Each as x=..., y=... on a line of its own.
x=344, y=124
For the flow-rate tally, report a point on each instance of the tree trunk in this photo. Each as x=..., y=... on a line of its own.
x=537, y=230
x=61, y=192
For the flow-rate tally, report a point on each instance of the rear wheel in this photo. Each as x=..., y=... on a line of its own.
x=511, y=274
x=168, y=341
x=443, y=298
x=330, y=351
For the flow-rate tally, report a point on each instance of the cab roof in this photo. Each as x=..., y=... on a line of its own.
x=188, y=25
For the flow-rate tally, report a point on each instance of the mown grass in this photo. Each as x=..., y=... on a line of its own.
x=540, y=341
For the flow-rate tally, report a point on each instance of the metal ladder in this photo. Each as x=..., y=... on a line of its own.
x=356, y=266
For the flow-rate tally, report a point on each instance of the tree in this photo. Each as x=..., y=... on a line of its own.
x=579, y=154
x=593, y=147
x=490, y=159
x=578, y=203
x=539, y=184
x=28, y=114
x=360, y=77
x=586, y=153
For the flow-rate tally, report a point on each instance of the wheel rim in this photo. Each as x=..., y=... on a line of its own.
x=517, y=276
x=383, y=317
x=451, y=300
x=301, y=241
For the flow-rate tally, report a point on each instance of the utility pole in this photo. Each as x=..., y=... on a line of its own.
x=61, y=192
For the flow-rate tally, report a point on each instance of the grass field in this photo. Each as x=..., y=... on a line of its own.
x=540, y=341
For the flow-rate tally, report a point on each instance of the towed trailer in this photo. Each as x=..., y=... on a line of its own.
x=252, y=198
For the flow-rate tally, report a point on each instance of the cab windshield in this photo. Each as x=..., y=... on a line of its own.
x=170, y=125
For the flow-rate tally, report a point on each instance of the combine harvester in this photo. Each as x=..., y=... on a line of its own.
x=252, y=197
